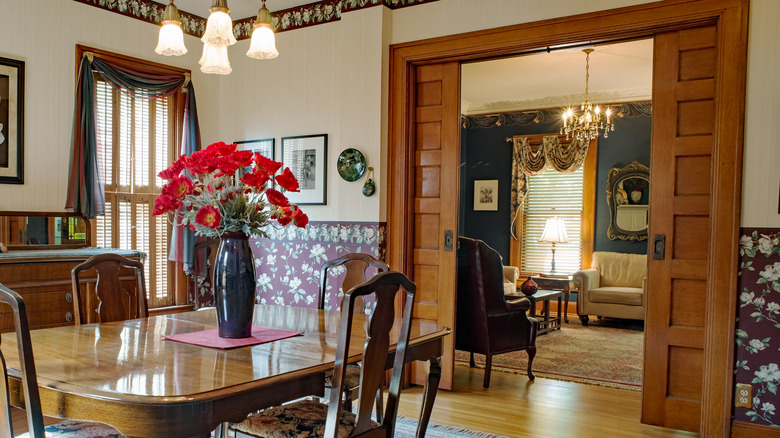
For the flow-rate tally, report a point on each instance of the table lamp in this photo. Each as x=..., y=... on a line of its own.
x=554, y=232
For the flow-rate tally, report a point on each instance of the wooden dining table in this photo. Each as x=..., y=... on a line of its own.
x=126, y=374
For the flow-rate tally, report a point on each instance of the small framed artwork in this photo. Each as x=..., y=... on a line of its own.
x=11, y=121
x=486, y=195
x=306, y=156
x=265, y=146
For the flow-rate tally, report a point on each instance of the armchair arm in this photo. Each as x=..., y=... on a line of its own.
x=586, y=279
x=521, y=304
x=510, y=274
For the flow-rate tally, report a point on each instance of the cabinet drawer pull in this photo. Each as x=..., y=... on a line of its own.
x=69, y=317
x=69, y=297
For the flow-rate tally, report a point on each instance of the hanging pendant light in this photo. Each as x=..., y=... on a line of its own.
x=263, y=44
x=215, y=59
x=586, y=126
x=219, y=26
x=171, y=39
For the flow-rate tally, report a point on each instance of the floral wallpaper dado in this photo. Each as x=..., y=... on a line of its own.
x=287, y=263
x=758, y=327
x=319, y=12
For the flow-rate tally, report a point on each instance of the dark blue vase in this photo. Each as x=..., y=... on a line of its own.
x=234, y=286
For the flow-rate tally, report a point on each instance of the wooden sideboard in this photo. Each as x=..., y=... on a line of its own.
x=42, y=278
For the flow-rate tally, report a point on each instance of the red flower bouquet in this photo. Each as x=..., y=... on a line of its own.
x=222, y=197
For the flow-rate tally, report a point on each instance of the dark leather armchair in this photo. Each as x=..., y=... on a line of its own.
x=487, y=323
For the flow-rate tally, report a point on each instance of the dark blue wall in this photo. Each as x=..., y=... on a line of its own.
x=485, y=154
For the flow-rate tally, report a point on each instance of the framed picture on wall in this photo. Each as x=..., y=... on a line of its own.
x=265, y=146
x=486, y=195
x=11, y=121
x=306, y=156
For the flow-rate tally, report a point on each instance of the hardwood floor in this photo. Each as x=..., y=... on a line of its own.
x=516, y=407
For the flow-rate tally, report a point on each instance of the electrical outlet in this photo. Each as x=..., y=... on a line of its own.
x=744, y=396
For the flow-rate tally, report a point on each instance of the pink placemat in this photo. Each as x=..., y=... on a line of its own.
x=210, y=338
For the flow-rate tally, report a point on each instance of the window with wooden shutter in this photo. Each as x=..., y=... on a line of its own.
x=135, y=135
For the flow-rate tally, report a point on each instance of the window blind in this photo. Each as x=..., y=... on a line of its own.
x=553, y=194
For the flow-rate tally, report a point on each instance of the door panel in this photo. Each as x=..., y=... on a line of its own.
x=680, y=171
x=436, y=152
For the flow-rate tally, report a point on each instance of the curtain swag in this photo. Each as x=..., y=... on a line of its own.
x=529, y=160
x=86, y=192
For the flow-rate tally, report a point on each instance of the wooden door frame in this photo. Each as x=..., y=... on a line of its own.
x=731, y=18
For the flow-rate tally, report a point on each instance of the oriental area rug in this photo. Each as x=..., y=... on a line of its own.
x=406, y=427
x=606, y=353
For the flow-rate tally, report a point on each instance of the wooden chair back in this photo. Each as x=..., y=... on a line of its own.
x=356, y=265
x=32, y=400
x=384, y=288
x=112, y=300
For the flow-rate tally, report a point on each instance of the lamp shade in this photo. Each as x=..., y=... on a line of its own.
x=263, y=44
x=219, y=29
x=171, y=40
x=215, y=60
x=554, y=231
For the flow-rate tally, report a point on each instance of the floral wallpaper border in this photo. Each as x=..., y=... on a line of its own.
x=757, y=339
x=287, y=263
x=321, y=12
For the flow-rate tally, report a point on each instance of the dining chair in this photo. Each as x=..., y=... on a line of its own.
x=356, y=265
x=29, y=387
x=115, y=302
x=312, y=418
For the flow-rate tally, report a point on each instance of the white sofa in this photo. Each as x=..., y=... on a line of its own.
x=510, y=279
x=615, y=286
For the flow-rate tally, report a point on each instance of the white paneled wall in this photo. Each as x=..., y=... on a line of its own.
x=330, y=78
x=44, y=34
x=761, y=174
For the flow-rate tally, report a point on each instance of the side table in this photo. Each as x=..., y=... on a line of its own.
x=547, y=322
x=554, y=283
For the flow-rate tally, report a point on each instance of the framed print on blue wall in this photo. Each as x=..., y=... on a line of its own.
x=306, y=156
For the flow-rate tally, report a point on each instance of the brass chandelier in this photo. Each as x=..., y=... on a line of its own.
x=586, y=125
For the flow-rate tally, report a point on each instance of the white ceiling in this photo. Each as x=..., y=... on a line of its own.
x=239, y=9
x=618, y=73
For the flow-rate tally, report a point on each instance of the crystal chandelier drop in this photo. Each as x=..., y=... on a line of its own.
x=586, y=125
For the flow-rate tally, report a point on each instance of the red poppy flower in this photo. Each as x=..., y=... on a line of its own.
x=221, y=148
x=208, y=216
x=300, y=218
x=174, y=170
x=267, y=164
x=276, y=197
x=179, y=187
x=284, y=216
x=258, y=178
x=165, y=203
x=288, y=181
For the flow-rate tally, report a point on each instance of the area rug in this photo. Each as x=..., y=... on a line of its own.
x=604, y=353
x=406, y=427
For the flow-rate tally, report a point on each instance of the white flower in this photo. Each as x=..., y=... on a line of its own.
x=747, y=297
x=295, y=282
x=768, y=373
x=746, y=242
x=368, y=232
x=317, y=251
x=312, y=232
x=765, y=245
x=769, y=408
x=771, y=272
x=759, y=302
x=344, y=233
x=757, y=345
x=773, y=307
x=278, y=300
x=264, y=280
x=270, y=259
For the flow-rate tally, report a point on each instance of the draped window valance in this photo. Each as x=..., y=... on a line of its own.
x=86, y=182
x=533, y=159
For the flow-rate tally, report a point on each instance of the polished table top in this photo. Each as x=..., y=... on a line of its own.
x=127, y=374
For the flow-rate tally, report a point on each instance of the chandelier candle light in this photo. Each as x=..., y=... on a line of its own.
x=585, y=126
x=171, y=39
x=554, y=232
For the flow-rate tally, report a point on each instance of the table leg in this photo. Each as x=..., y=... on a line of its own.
x=566, y=293
x=431, y=386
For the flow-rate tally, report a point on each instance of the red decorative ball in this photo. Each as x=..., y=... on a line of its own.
x=529, y=287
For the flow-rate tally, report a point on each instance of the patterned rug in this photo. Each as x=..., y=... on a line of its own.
x=406, y=428
x=607, y=353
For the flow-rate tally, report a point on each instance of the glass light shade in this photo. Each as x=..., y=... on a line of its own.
x=215, y=60
x=219, y=30
x=263, y=44
x=171, y=40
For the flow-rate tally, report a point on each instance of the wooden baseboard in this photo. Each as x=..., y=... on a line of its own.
x=741, y=429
